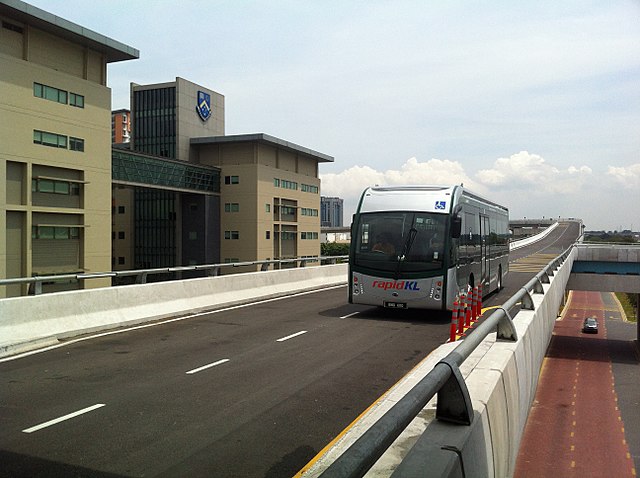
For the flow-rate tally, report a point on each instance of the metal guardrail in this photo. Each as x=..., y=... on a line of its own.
x=141, y=275
x=445, y=380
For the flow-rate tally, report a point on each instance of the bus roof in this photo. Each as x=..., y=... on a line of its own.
x=429, y=198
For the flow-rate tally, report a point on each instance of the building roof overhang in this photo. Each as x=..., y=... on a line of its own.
x=112, y=50
x=263, y=138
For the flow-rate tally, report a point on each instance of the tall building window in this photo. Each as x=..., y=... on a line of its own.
x=283, y=183
x=232, y=180
x=76, y=144
x=155, y=228
x=231, y=207
x=154, y=121
x=49, y=139
x=55, y=232
x=232, y=235
x=55, y=187
x=52, y=93
x=49, y=93
x=76, y=100
x=12, y=27
x=306, y=211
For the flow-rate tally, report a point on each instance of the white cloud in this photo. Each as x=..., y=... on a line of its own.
x=628, y=177
x=531, y=171
x=354, y=180
x=350, y=182
x=524, y=182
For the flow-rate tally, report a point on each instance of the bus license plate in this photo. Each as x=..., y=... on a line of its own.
x=395, y=305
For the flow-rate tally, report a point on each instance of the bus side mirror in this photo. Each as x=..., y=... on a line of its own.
x=456, y=227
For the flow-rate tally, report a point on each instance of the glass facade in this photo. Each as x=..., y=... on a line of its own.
x=134, y=168
x=155, y=228
x=154, y=122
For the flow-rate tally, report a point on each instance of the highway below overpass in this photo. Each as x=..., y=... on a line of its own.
x=255, y=390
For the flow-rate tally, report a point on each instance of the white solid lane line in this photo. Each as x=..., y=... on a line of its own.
x=291, y=336
x=204, y=367
x=62, y=419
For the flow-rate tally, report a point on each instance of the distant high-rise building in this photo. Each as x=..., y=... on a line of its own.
x=331, y=211
x=120, y=126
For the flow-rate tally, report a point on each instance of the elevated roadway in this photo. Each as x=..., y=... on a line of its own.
x=253, y=390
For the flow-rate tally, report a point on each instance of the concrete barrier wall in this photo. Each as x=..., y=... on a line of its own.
x=530, y=240
x=29, y=322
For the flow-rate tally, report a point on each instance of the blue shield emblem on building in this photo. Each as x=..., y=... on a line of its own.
x=204, y=105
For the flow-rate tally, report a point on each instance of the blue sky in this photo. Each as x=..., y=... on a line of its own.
x=535, y=104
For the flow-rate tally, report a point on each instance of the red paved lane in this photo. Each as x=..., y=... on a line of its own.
x=574, y=427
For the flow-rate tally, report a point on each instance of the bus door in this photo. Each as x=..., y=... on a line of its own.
x=484, y=246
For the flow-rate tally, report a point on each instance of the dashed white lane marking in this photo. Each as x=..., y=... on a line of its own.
x=204, y=367
x=62, y=419
x=349, y=315
x=291, y=336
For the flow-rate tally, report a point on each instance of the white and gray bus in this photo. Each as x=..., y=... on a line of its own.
x=420, y=246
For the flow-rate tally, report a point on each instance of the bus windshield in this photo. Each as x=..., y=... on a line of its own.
x=416, y=239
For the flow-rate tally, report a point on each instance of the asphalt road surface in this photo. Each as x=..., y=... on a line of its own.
x=252, y=391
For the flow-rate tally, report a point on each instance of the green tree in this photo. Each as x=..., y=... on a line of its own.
x=334, y=249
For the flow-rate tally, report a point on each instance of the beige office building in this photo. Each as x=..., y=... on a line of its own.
x=55, y=145
x=269, y=196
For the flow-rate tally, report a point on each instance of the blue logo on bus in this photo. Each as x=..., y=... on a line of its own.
x=203, y=107
x=441, y=205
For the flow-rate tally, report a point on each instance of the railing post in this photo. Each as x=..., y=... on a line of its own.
x=505, y=328
x=454, y=403
x=37, y=287
x=527, y=301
